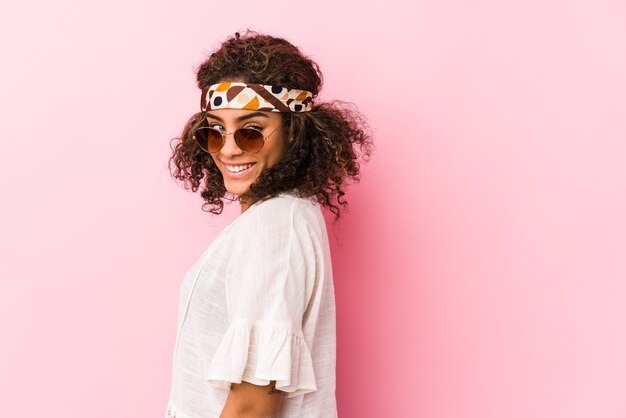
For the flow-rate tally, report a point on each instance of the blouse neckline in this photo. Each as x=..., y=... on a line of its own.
x=251, y=209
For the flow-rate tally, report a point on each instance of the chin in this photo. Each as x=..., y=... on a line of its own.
x=238, y=186
x=237, y=189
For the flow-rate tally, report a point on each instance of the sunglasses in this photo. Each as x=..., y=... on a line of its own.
x=250, y=140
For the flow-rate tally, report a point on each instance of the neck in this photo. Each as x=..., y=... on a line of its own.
x=244, y=206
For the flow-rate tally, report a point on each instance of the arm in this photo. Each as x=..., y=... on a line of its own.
x=246, y=400
x=267, y=289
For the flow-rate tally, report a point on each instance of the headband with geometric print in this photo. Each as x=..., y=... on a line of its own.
x=248, y=96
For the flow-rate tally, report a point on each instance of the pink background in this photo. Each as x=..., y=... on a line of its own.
x=480, y=271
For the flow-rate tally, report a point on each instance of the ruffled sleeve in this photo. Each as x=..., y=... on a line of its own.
x=268, y=287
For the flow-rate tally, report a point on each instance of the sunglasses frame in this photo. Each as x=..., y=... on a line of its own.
x=223, y=134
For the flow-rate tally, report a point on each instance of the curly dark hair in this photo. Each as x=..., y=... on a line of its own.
x=327, y=140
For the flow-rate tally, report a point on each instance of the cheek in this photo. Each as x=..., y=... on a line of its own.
x=213, y=160
x=278, y=151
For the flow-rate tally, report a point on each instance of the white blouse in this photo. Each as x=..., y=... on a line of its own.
x=259, y=305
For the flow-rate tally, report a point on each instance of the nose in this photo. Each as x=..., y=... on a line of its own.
x=230, y=147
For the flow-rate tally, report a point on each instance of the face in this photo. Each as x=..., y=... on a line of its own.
x=231, y=159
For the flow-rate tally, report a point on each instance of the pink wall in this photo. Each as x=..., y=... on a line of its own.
x=480, y=271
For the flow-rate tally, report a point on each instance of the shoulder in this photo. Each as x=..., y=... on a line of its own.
x=286, y=208
x=278, y=227
x=281, y=217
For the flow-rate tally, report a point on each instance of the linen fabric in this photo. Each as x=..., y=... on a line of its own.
x=249, y=96
x=259, y=305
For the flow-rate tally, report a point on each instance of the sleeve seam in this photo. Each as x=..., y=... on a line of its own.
x=291, y=227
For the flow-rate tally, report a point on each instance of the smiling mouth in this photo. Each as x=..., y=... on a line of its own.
x=238, y=168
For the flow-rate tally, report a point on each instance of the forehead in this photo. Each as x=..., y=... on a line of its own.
x=238, y=115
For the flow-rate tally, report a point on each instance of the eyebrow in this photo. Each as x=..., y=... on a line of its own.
x=240, y=118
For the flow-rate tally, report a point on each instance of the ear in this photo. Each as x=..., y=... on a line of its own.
x=290, y=129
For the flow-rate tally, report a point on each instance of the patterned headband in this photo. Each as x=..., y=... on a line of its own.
x=250, y=96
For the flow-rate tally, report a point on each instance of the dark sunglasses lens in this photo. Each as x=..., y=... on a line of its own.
x=209, y=139
x=249, y=140
x=200, y=137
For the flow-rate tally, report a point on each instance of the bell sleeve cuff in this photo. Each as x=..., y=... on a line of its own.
x=259, y=352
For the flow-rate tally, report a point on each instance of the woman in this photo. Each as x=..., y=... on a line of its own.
x=256, y=324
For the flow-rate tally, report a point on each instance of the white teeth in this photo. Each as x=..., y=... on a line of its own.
x=238, y=168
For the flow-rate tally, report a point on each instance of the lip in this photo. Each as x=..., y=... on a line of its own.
x=239, y=174
x=238, y=163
